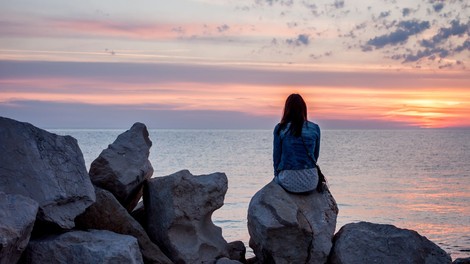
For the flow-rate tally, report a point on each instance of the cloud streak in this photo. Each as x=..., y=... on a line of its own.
x=404, y=30
x=301, y=40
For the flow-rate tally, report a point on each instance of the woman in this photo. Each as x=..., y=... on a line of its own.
x=296, y=148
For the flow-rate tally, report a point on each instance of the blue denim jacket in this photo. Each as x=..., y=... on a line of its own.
x=289, y=152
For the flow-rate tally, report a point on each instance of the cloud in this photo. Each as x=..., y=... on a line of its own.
x=464, y=46
x=405, y=11
x=384, y=14
x=326, y=54
x=302, y=39
x=433, y=47
x=163, y=74
x=456, y=29
x=56, y=115
x=272, y=2
x=49, y=114
x=438, y=7
x=223, y=28
x=338, y=4
x=72, y=27
x=312, y=7
x=442, y=53
x=404, y=30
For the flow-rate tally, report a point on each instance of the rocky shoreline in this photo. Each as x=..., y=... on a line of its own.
x=53, y=211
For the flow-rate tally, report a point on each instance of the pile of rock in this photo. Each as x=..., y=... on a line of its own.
x=53, y=211
x=81, y=217
x=293, y=228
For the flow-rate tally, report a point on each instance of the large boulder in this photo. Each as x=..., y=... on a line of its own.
x=378, y=243
x=123, y=167
x=108, y=214
x=47, y=168
x=77, y=247
x=17, y=216
x=291, y=228
x=179, y=208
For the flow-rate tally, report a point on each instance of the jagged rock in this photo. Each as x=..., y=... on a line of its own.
x=237, y=251
x=179, y=209
x=17, y=216
x=47, y=168
x=461, y=261
x=291, y=228
x=77, y=247
x=378, y=243
x=108, y=214
x=123, y=167
x=227, y=261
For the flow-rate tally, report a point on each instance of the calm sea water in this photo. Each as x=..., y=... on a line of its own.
x=415, y=179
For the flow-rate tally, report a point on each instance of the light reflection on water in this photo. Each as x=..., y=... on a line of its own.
x=415, y=179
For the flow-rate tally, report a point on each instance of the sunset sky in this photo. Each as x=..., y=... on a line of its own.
x=231, y=64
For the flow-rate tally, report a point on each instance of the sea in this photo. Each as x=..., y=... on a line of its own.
x=414, y=179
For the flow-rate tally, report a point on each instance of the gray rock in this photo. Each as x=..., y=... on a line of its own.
x=179, y=208
x=77, y=247
x=139, y=214
x=227, y=261
x=47, y=168
x=237, y=251
x=17, y=216
x=291, y=228
x=461, y=261
x=108, y=214
x=123, y=167
x=378, y=243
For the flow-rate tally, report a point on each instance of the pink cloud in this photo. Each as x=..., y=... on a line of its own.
x=74, y=27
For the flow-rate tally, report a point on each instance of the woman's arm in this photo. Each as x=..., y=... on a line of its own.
x=277, y=149
x=316, y=151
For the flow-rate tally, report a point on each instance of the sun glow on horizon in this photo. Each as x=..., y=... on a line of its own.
x=423, y=108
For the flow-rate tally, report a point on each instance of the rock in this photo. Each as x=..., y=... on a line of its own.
x=179, y=208
x=94, y=246
x=291, y=228
x=237, y=251
x=17, y=216
x=378, y=243
x=253, y=260
x=123, y=167
x=461, y=261
x=108, y=214
x=47, y=168
x=139, y=214
x=227, y=261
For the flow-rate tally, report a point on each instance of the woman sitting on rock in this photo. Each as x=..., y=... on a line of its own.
x=296, y=148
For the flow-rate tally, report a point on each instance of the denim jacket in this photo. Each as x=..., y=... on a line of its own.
x=289, y=152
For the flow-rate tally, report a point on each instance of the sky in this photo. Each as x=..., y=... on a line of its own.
x=368, y=64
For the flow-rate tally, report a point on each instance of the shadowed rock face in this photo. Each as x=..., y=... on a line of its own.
x=179, y=208
x=377, y=243
x=17, y=216
x=108, y=214
x=124, y=166
x=291, y=228
x=94, y=246
x=47, y=168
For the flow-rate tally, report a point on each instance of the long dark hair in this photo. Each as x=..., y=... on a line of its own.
x=295, y=112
